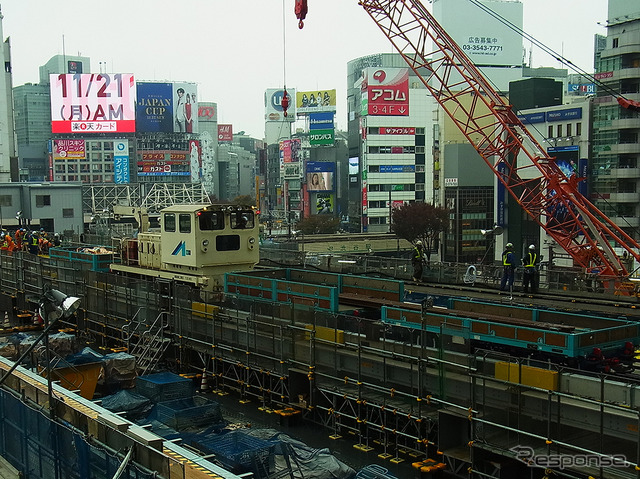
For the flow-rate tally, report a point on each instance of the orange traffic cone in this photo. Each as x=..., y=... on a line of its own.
x=203, y=385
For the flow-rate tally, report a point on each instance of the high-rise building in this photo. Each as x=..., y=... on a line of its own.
x=615, y=168
x=32, y=106
x=7, y=136
x=390, y=141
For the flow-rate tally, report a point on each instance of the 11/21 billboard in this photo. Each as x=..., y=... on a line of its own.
x=92, y=103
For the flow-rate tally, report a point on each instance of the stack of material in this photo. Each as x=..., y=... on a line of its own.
x=189, y=413
x=120, y=370
x=164, y=387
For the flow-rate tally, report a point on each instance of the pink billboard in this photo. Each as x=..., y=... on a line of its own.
x=387, y=91
x=93, y=103
x=69, y=149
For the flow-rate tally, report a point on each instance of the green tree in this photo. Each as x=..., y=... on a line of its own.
x=420, y=221
x=318, y=224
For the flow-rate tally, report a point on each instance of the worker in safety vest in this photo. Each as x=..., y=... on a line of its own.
x=33, y=243
x=509, y=265
x=417, y=259
x=529, y=276
x=7, y=242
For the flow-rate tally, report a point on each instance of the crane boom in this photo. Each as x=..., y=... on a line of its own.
x=525, y=169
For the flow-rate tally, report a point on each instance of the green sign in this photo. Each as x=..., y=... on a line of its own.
x=321, y=137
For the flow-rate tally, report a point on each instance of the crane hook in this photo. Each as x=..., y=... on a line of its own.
x=285, y=101
x=301, y=11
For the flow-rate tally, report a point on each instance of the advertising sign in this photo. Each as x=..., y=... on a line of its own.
x=563, y=115
x=92, y=103
x=195, y=160
x=324, y=203
x=354, y=164
x=74, y=66
x=154, y=107
x=313, y=101
x=386, y=91
x=225, y=132
x=320, y=175
x=398, y=130
x=484, y=39
x=165, y=163
x=290, y=150
x=532, y=118
x=321, y=137
x=321, y=121
x=69, y=149
x=121, y=161
x=185, y=109
x=583, y=88
x=273, y=105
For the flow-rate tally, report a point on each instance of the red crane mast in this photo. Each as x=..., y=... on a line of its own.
x=525, y=169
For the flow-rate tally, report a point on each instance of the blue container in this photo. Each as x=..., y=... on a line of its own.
x=83, y=258
x=164, y=387
x=241, y=452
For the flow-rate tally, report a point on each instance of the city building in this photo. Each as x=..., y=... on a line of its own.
x=388, y=144
x=8, y=159
x=615, y=168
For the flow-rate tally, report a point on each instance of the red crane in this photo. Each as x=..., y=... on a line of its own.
x=528, y=173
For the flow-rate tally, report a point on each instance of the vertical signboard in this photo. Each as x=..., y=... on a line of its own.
x=185, y=108
x=92, y=103
x=385, y=91
x=324, y=203
x=121, y=161
x=195, y=160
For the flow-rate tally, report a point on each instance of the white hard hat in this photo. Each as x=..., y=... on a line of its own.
x=418, y=243
x=532, y=246
x=509, y=245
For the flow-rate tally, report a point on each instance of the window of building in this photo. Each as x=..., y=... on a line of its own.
x=578, y=129
x=419, y=131
x=419, y=149
x=5, y=200
x=43, y=200
x=569, y=129
x=67, y=212
x=615, y=43
x=559, y=131
x=374, y=168
x=550, y=131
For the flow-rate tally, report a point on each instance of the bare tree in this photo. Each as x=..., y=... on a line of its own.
x=420, y=221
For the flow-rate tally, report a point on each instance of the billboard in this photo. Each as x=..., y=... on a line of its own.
x=195, y=160
x=320, y=176
x=290, y=150
x=154, y=107
x=273, y=105
x=315, y=101
x=225, y=132
x=354, y=165
x=92, y=103
x=185, y=108
x=165, y=163
x=321, y=121
x=385, y=91
x=121, y=161
x=321, y=137
x=324, y=203
x=484, y=38
x=69, y=149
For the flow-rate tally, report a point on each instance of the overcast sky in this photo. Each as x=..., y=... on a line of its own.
x=235, y=49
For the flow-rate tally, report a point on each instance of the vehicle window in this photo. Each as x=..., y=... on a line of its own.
x=242, y=219
x=185, y=223
x=227, y=243
x=169, y=222
x=211, y=220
